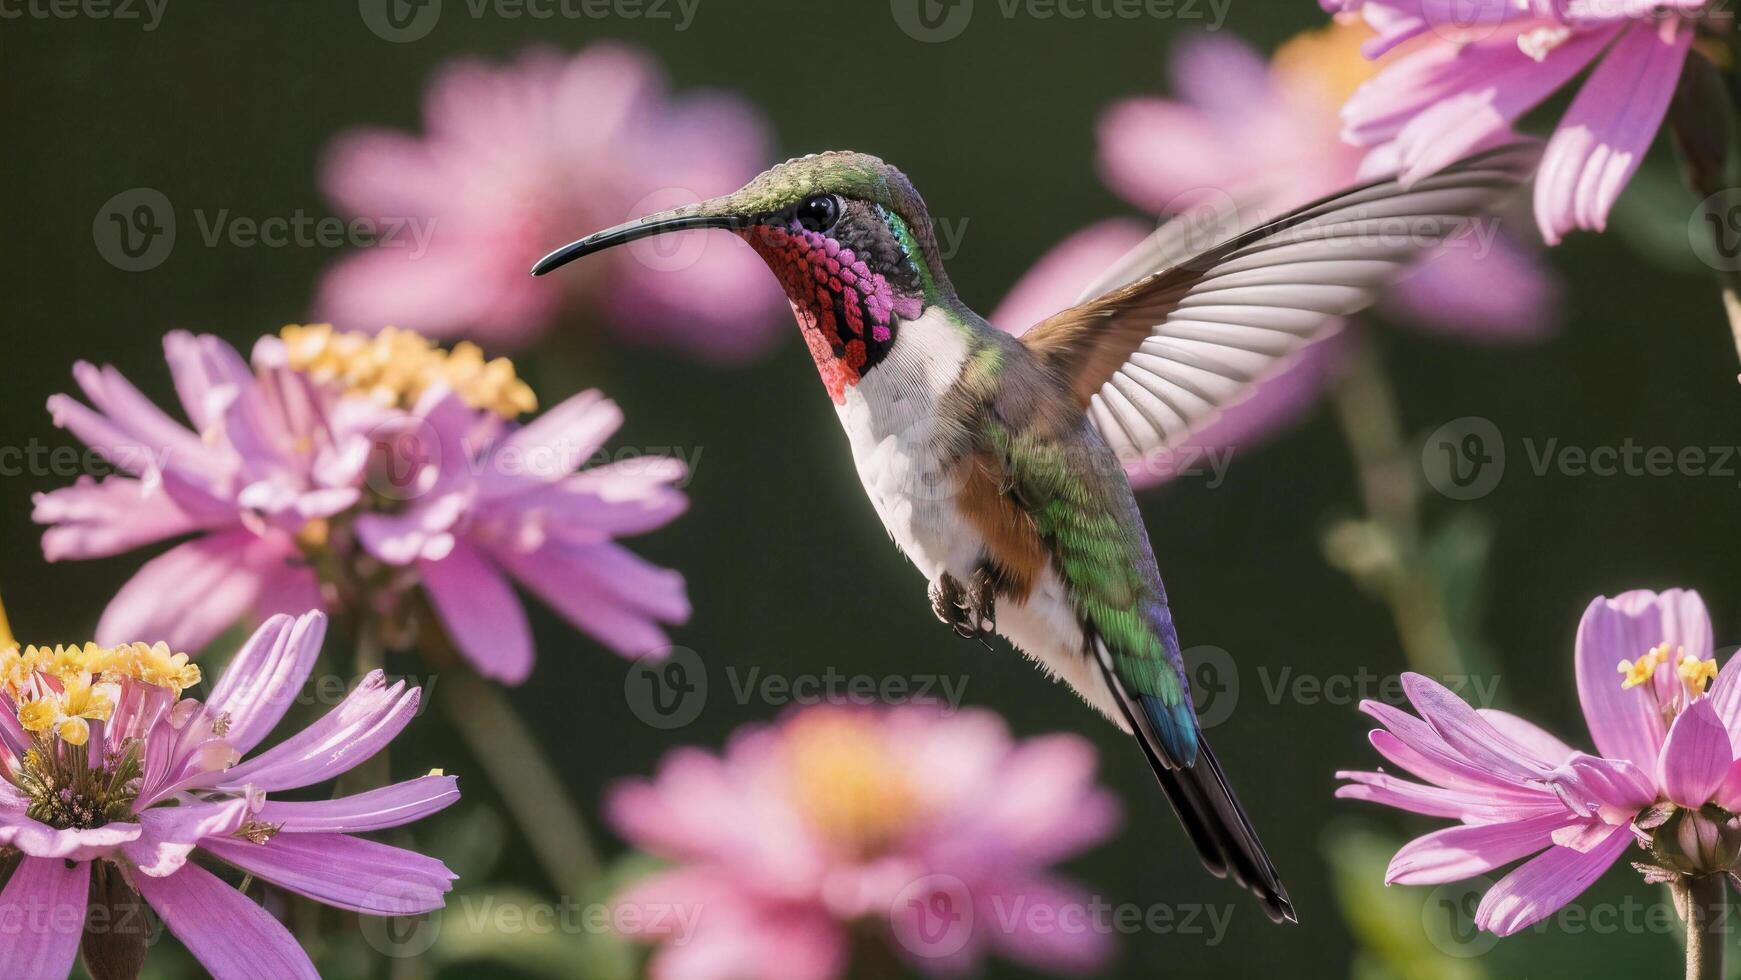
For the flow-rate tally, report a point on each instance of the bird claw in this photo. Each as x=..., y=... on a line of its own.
x=970, y=610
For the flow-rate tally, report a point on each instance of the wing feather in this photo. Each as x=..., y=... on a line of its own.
x=1164, y=350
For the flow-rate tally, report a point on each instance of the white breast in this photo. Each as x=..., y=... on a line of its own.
x=889, y=418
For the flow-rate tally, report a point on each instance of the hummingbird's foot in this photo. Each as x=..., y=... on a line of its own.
x=982, y=601
x=970, y=610
x=949, y=603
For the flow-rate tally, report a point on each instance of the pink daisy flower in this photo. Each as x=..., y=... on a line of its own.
x=264, y=455
x=1263, y=136
x=336, y=452
x=923, y=825
x=1667, y=725
x=1469, y=72
x=513, y=158
x=110, y=773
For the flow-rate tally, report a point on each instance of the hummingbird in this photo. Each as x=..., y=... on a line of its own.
x=995, y=460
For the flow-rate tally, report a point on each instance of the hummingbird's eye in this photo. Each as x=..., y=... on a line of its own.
x=818, y=212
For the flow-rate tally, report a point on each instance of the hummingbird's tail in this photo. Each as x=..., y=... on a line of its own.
x=1205, y=803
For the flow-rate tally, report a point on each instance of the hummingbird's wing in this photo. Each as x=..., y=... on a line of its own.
x=1158, y=356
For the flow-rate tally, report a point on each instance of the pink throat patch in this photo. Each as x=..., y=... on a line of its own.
x=843, y=308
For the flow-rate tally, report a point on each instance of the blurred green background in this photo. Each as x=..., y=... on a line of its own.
x=229, y=105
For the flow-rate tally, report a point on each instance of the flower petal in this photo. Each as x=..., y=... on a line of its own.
x=377, y=809
x=42, y=916
x=348, y=735
x=344, y=872
x=1604, y=135
x=606, y=590
x=1625, y=723
x=233, y=938
x=1456, y=853
x=1544, y=884
x=1695, y=757
x=264, y=678
x=188, y=595
x=480, y=612
x=170, y=833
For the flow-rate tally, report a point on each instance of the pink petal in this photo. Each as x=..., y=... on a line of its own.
x=188, y=595
x=342, y=871
x=1529, y=735
x=361, y=725
x=1387, y=790
x=94, y=519
x=170, y=833
x=1625, y=723
x=266, y=675
x=1501, y=295
x=1466, y=732
x=1456, y=853
x=43, y=908
x=1056, y=281
x=230, y=936
x=566, y=436
x=1544, y=885
x=71, y=844
x=605, y=590
x=480, y=612
x=1474, y=93
x=377, y=809
x=208, y=374
x=1425, y=754
x=1604, y=135
x=1695, y=757
x=1045, y=933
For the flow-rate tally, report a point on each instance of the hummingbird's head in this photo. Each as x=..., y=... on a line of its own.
x=845, y=233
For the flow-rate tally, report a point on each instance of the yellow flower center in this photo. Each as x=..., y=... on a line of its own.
x=1326, y=60
x=846, y=782
x=1696, y=674
x=1636, y=672
x=396, y=366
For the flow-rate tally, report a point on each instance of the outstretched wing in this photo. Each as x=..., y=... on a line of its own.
x=1157, y=356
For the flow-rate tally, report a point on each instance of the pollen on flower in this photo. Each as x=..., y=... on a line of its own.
x=1636, y=672
x=395, y=367
x=846, y=781
x=1697, y=674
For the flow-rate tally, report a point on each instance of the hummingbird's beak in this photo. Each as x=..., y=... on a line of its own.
x=680, y=219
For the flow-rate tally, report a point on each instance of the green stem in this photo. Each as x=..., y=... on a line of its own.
x=1703, y=905
x=1396, y=569
x=523, y=775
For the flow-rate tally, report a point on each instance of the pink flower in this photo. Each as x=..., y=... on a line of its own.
x=267, y=456
x=500, y=502
x=1465, y=80
x=109, y=771
x=513, y=158
x=1667, y=725
x=1252, y=139
x=938, y=828
x=336, y=452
